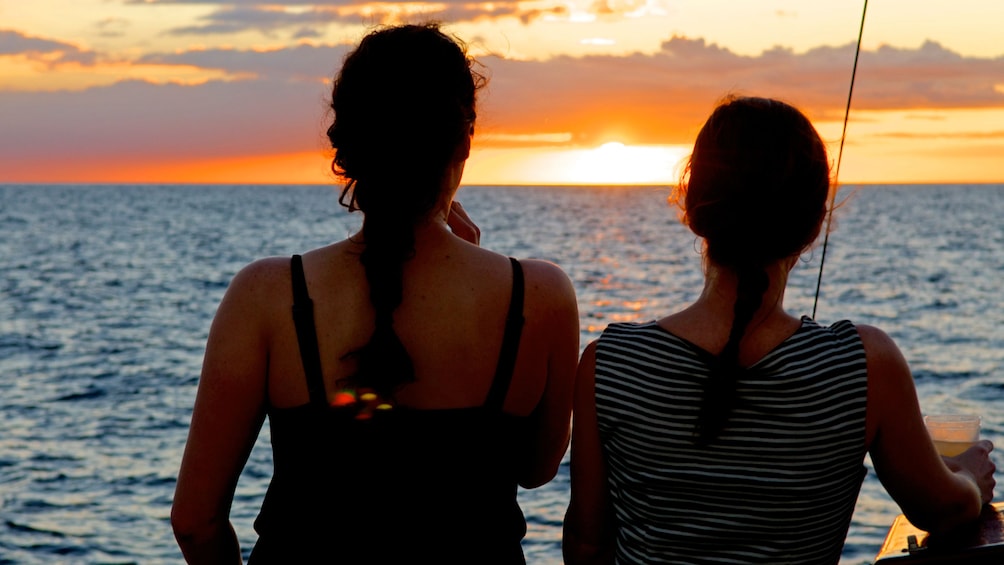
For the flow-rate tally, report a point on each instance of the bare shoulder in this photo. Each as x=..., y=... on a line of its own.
x=548, y=278
x=252, y=305
x=872, y=336
x=263, y=277
x=258, y=294
x=881, y=351
x=552, y=315
x=549, y=292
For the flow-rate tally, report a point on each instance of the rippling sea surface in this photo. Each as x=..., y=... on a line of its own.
x=107, y=293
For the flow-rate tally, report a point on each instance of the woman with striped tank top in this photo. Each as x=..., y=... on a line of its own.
x=732, y=431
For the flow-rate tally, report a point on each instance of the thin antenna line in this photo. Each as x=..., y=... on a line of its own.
x=840, y=156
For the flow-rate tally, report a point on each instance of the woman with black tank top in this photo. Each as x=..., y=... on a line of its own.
x=732, y=431
x=411, y=378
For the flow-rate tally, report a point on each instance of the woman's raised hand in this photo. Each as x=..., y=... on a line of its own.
x=462, y=224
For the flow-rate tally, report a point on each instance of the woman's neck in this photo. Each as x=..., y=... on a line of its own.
x=721, y=290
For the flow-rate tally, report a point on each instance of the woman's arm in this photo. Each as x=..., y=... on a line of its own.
x=558, y=310
x=228, y=414
x=588, y=536
x=932, y=496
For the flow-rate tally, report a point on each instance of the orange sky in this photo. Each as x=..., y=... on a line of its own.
x=580, y=92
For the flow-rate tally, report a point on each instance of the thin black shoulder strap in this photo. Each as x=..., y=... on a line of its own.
x=306, y=333
x=510, y=342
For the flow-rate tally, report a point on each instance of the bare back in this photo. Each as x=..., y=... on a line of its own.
x=451, y=321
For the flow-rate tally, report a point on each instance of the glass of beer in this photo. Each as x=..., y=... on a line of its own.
x=953, y=433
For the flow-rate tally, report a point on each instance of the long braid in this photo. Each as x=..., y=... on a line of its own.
x=403, y=103
x=720, y=394
x=384, y=363
x=394, y=205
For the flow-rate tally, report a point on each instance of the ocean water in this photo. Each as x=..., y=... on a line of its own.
x=107, y=293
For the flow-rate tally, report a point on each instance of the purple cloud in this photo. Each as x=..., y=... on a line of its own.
x=235, y=17
x=137, y=120
x=52, y=52
x=303, y=62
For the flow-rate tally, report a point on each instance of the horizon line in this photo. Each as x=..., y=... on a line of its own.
x=463, y=185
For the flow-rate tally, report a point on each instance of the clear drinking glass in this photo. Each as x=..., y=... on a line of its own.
x=953, y=433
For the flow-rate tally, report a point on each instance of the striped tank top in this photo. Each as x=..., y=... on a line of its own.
x=780, y=482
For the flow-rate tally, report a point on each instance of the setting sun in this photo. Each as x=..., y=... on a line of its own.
x=617, y=163
x=610, y=163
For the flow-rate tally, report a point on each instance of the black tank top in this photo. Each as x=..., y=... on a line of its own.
x=406, y=485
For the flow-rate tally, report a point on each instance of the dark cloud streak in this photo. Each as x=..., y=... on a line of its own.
x=45, y=50
x=301, y=63
x=266, y=20
x=237, y=17
x=135, y=120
